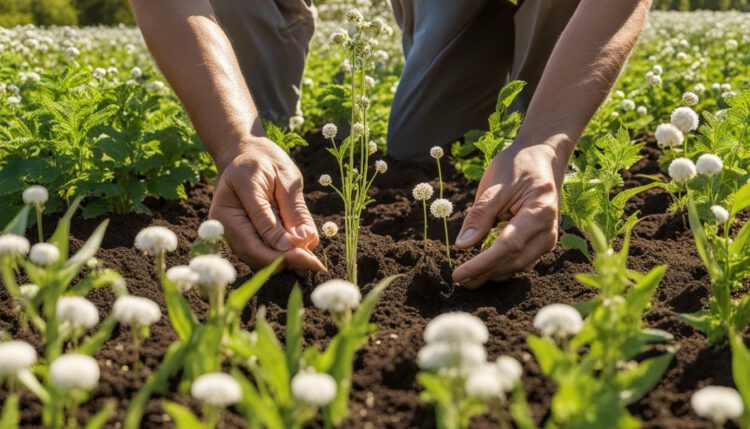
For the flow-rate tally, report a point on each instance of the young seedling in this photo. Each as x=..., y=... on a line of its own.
x=214, y=274
x=423, y=192
x=329, y=229
x=138, y=314
x=210, y=237
x=76, y=315
x=681, y=170
x=73, y=377
x=442, y=208
x=36, y=196
x=156, y=241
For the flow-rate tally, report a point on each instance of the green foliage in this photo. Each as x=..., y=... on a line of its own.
x=15, y=12
x=54, y=12
x=474, y=155
x=286, y=140
x=589, y=196
x=115, y=144
x=598, y=373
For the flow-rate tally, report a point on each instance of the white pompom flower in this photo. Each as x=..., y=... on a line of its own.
x=685, y=119
x=372, y=147
x=211, y=230
x=78, y=312
x=183, y=277
x=381, y=166
x=709, y=165
x=325, y=180
x=717, y=404
x=358, y=130
x=329, y=131
x=155, y=240
x=558, y=320
x=436, y=152
x=15, y=356
x=28, y=291
x=682, y=169
x=35, y=194
x=627, y=105
x=422, y=192
x=441, y=208
x=13, y=245
x=44, y=254
x=456, y=327
x=509, y=370
x=330, y=229
x=690, y=99
x=667, y=135
x=720, y=214
x=216, y=389
x=445, y=356
x=313, y=388
x=642, y=110
x=336, y=296
x=483, y=382
x=213, y=271
x=136, y=311
x=74, y=371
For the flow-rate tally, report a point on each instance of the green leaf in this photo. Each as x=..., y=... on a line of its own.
x=701, y=320
x=102, y=417
x=701, y=241
x=178, y=309
x=574, y=242
x=363, y=314
x=294, y=315
x=640, y=294
x=256, y=406
x=636, y=382
x=182, y=416
x=238, y=298
x=61, y=235
x=273, y=360
x=95, y=342
x=741, y=372
x=72, y=266
x=10, y=417
x=741, y=200
x=18, y=224
x=547, y=354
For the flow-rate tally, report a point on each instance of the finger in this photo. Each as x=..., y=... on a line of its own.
x=515, y=263
x=302, y=260
x=482, y=216
x=256, y=200
x=294, y=213
x=243, y=239
x=527, y=223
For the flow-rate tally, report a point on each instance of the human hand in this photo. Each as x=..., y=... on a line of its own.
x=258, y=198
x=521, y=185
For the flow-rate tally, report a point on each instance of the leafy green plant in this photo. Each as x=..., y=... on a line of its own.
x=728, y=263
x=595, y=371
x=479, y=148
x=114, y=143
x=588, y=196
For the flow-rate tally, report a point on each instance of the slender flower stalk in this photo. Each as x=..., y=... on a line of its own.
x=423, y=192
x=442, y=208
x=437, y=153
x=37, y=195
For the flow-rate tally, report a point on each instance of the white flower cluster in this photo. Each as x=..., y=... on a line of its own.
x=717, y=404
x=494, y=379
x=454, y=341
x=211, y=230
x=667, y=135
x=78, y=312
x=35, y=195
x=558, y=321
x=155, y=240
x=74, y=371
x=329, y=131
x=15, y=356
x=183, y=277
x=13, y=245
x=44, y=254
x=330, y=229
x=682, y=169
x=313, y=388
x=441, y=208
x=423, y=192
x=213, y=271
x=325, y=180
x=381, y=166
x=136, y=311
x=216, y=389
x=336, y=296
x=685, y=119
x=720, y=214
x=709, y=165
x=436, y=152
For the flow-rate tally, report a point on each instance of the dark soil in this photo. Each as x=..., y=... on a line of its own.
x=385, y=393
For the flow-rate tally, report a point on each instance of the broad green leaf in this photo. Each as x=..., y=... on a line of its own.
x=294, y=315
x=640, y=294
x=574, y=242
x=18, y=224
x=741, y=200
x=547, y=354
x=10, y=417
x=636, y=382
x=182, y=416
x=178, y=309
x=238, y=298
x=741, y=372
x=273, y=360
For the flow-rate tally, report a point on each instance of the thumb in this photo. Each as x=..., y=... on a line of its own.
x=295, y=215
x=482, y=217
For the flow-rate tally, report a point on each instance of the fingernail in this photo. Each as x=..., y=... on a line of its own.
x=467, y=235
x=284, y=243
x=304, y=232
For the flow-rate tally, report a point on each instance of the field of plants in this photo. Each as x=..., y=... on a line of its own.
x=122, y=306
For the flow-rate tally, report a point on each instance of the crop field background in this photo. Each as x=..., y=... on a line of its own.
x=655, y=274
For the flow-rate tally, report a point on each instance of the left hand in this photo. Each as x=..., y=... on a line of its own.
x=521, y=185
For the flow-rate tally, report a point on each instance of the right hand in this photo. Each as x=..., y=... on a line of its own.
x=258, y=198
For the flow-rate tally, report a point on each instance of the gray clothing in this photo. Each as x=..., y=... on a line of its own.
x=458, y=55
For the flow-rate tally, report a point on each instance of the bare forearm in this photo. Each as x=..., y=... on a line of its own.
x=581, y=71
x=196, y=57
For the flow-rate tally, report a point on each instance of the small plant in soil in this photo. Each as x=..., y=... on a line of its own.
x=353, y=153
x=459, y=381
x=595, y=363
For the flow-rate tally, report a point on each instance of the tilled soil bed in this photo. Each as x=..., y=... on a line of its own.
x=385, y=393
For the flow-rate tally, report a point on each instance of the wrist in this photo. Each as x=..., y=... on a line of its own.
x=231, y=150
x=554, y=150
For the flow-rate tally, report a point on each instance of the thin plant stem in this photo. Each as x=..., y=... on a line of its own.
x=440, y=177
x=39, y=223
x=447, y=243
x=136, y=348
x=424, y=207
